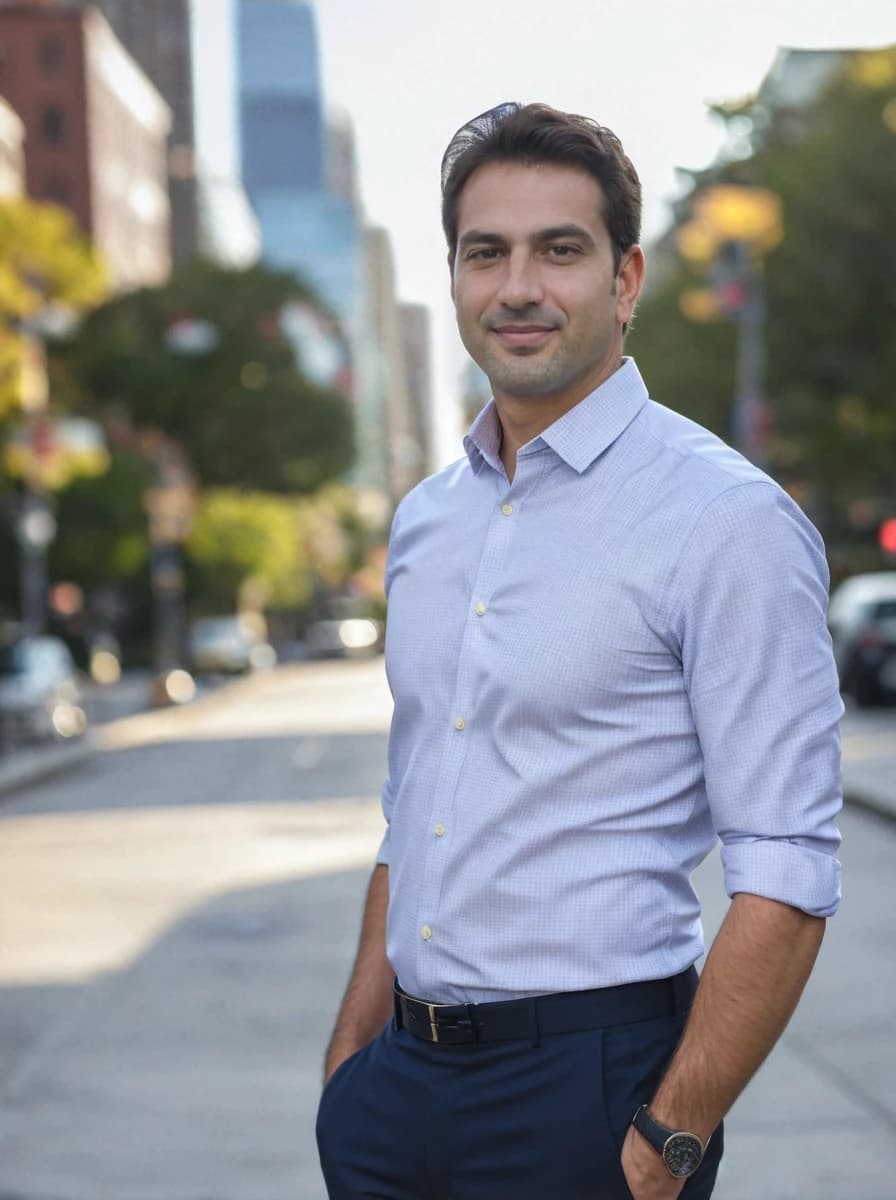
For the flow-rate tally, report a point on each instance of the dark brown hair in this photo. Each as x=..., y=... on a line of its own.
x=537, y=133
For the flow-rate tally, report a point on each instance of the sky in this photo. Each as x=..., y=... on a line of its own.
x=410, y=72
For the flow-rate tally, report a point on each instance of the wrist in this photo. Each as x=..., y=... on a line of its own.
x=682, y=1116
x=679, y=1149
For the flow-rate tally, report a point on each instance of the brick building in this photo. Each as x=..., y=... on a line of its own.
x=95, y=132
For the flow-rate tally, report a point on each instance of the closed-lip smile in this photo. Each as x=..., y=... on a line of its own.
x=522, y=334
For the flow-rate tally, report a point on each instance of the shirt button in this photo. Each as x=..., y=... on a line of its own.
x=480, y=609
x=426, y=933
x=440, y=830
x=506, y=509
x=460, y=723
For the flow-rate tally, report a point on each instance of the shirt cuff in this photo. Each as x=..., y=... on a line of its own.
x=382, y=855
x=785, y=871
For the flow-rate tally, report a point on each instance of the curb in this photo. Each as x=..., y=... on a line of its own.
x=33, y=766
x=36, y=765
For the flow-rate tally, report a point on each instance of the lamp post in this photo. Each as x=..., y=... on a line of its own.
x=732, y=226
x=169, y=506
x=35, y=524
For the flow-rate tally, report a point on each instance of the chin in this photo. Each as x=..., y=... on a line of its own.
x=525, y=383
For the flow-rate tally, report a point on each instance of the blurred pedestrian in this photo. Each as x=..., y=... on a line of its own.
x=607, y=647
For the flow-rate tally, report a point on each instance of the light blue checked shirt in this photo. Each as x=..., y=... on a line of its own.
x=598, y=669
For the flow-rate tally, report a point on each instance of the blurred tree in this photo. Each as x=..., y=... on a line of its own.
x=275, y=552
x=832, y=283
x=830, y=286
x=102, y=528
x=45, y=261
x=242, y=539
x=203, y=359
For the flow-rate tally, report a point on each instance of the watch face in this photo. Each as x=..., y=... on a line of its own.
x=682, y=1154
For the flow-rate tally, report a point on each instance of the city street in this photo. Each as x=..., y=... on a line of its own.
x=178, y=915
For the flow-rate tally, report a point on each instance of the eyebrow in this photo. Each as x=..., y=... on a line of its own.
x=481, y=237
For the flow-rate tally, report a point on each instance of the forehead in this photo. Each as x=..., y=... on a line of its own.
x=518, y=199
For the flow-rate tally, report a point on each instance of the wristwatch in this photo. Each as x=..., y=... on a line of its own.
x=681, y=1152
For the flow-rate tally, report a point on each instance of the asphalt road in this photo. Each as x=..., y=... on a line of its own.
x=177, y=919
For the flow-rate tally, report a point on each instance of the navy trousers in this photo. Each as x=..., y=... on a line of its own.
x=543, y=1119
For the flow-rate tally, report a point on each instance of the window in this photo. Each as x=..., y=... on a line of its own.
x=53, y=125
x=51, y=53
x=56, y=188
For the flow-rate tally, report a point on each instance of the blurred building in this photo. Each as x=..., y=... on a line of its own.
x=391, y=408
x=188, y=49
x=95, y=132
x=475, y=393
x=797, y=77
x=12, y=153
x=416, y=337
x=299, y=173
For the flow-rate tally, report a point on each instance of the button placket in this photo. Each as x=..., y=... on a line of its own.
x=436, y=852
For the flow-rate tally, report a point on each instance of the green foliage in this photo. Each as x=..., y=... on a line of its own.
x=102, y=528
x=278, y=550
x=242, y=413
x=687, y=366
x=44, y=260
x=832, y=290
x=830, y=287
x=241, y=537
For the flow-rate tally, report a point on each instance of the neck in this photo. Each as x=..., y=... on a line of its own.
x=525, y=417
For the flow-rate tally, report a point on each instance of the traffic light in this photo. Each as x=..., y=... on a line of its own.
x=886, y=535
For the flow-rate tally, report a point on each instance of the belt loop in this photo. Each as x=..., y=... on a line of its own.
x=533, y=1021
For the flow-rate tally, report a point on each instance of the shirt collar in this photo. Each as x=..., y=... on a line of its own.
x=581, y=434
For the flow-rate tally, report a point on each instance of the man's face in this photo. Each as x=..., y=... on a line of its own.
x=539, y=305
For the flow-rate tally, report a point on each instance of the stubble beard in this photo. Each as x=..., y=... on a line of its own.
x=527, y=374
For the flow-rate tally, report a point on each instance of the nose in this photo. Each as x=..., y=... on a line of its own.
x=521, y=284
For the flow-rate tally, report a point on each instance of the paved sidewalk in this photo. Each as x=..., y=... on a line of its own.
x=869, y=750
x=172, y=962
x=869, y=759
x=27, y=765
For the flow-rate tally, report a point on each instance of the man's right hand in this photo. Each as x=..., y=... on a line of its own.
x=335, y=1059
x=368, y=1001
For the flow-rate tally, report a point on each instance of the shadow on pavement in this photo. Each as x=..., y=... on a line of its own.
x=195, y=1070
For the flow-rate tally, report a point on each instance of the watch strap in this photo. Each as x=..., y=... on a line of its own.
x=658, y=1135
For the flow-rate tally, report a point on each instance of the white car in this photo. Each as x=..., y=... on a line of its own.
x=228, y=645
x=41, y=695
x=862, y=621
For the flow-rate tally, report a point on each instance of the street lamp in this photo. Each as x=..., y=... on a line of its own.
x=731, y=228
x=44, y=453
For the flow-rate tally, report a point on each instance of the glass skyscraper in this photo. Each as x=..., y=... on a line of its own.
x=308, y=225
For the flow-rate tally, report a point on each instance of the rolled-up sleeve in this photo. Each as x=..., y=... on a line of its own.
x=751, y=594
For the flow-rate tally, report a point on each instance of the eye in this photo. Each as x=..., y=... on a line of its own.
x=562, y=251
x=483, y=254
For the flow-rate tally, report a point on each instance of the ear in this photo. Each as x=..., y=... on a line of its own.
x=630, y=280
x=451, y=273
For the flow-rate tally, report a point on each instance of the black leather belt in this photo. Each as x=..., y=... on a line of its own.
x=540, y=1016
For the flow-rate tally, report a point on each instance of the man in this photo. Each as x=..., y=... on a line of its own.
x=607, y=647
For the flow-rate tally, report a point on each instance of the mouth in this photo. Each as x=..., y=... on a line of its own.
x=522, y=336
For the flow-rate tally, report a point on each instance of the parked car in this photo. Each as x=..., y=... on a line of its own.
x=228, y=645
x=41, y=692
x=862, y=621
x=348, y=637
